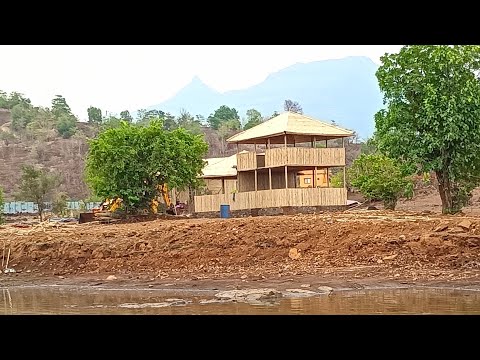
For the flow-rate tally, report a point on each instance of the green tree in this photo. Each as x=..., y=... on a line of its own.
x=111, y=122
x=125, y=116
x=432, y=94
x=227, y=129
x=378, y=177
x=131, y=161
x=60, y=107
x=221, y=115
x=66, y=126
x=94, y=115
x=188, y=122
x=36, y=185
x=2, y=202
x=292, y=106
x=59, y=204
x=22, y=115
x=254, y=118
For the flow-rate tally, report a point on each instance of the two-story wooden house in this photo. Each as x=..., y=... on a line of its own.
x=287, y=148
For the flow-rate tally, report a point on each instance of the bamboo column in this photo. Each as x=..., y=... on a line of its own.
x=256, y=181
x=315, y=177
x=344, y=168
x=286, y=170
x=269, y=169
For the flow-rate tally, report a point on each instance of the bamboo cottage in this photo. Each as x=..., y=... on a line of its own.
x=288, y=149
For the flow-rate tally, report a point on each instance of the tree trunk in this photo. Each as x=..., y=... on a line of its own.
x=445, y=190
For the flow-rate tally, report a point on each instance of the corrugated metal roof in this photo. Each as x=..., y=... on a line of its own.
x=221, y=167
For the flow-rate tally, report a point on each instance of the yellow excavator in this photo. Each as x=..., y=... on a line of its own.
x=111, y=205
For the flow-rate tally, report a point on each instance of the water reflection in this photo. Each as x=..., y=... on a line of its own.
x=64, y=300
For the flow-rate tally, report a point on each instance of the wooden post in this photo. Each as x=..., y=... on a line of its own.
x=270, y=177
x=223, y=185
x=285, y=139
x=344, y=168
x=294, y=141
x=255, y=147
x=268, y=143
x=328, y=182
x=326, y=143
x=314, y=143
x=237, y=148
x=256, y=186
x=315, y=177
x=286, y=177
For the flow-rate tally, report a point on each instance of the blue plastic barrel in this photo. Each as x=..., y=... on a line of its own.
x=224, y=211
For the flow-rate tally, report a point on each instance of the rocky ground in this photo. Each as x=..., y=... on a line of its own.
x=350, y=249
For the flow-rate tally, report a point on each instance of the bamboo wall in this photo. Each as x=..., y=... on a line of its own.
x=273, y=198
x=294, y=156
x=246, y=161
x=214, y=186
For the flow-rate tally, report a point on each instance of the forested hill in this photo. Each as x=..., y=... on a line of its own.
x=54, y=139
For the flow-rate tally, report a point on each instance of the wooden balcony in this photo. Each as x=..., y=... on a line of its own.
x=273, y=198
x=291, y=156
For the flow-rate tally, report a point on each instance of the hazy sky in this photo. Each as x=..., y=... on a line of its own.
x=119, y=77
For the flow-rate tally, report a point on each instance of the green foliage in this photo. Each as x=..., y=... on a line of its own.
x=59, y=204
x=94, y=115
x=125, y=116
x=292, y=106
x=36, y=185
x=222, y=115
x=369, y=147
x=22, y=115
x=144, y=118
x=254, y=118
x=131, y=161
x=432, y=117
x=66, y=126
x=60, y=107
x=2, y=202
x=188, y=122
x=15, y=98
x=336, y=180
x=378, y=177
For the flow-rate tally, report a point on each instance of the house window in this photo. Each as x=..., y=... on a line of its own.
x=307, y=180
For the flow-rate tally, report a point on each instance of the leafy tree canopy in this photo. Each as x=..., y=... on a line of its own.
x=36, y=185
x=378, y=177
x=254, y=118
x=94, y=115
x=432, y=115
x=131, y=161
x=221, y=115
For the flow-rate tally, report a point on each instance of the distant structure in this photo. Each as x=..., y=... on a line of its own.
x=290, y=166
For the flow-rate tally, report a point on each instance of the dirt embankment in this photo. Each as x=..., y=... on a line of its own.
x=365, y=244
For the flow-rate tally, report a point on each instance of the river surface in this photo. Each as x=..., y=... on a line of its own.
x=85, y=300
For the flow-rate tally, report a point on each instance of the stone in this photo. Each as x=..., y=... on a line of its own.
x=294, y=254
x=325, y=289
x=390, y=257
x=111, y=277
x=441, y=227
x=305, y=285
x=299, y=293
x=243, y=277
x=465, y=224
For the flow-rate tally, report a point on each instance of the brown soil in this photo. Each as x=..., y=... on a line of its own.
x=353, y=248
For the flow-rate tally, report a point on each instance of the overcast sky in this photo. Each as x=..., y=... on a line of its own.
x=119, y=77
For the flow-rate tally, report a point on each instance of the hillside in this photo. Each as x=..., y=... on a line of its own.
x=343, y=90
x=67, y=156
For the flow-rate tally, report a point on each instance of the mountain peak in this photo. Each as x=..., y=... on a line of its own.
x=345, y=90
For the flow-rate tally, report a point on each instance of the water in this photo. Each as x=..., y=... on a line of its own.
x=75, y=300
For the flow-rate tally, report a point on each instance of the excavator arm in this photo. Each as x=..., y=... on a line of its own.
x=166, y=197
